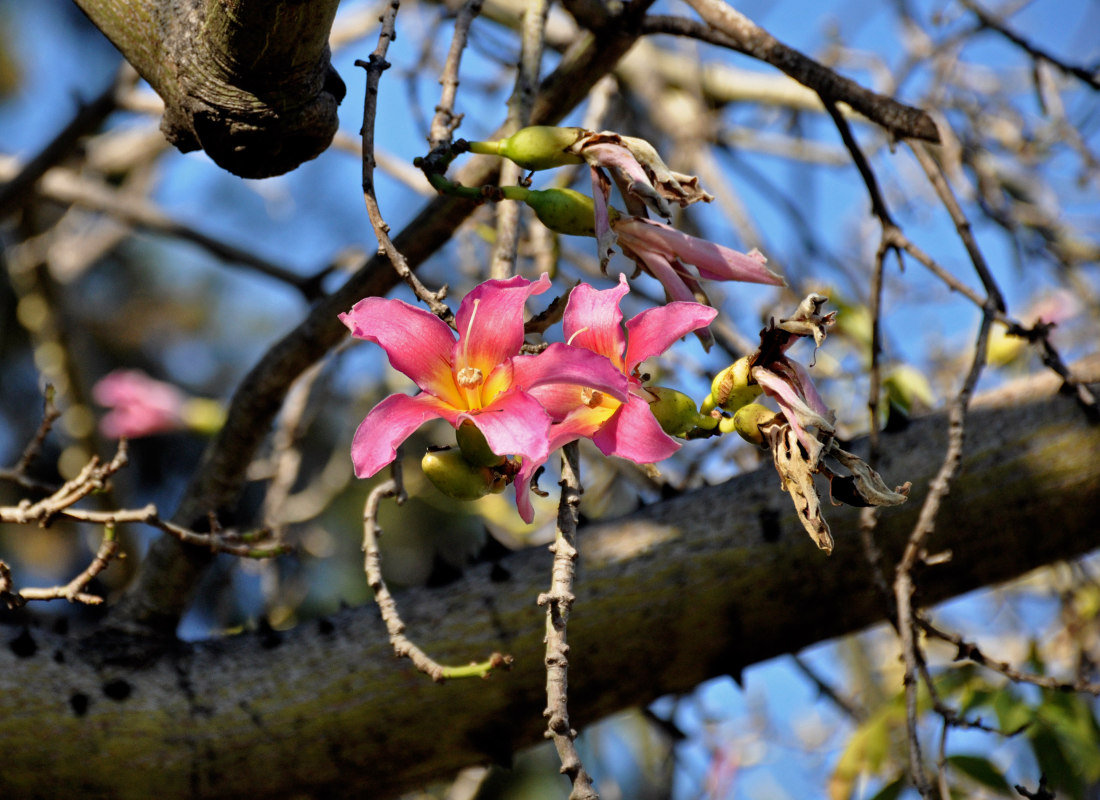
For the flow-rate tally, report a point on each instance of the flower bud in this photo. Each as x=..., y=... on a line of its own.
x=536, y=147
x=471, y=441
x=731, y=389
x=453, y=475
x=564, y=211
x=674, y=411
x=748, y=419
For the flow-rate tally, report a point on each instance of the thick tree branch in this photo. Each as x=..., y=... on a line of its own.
x=247, y=81
x=727, y=577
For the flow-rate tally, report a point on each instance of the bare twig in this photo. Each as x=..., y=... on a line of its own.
x=970, y=651
x=18, y=473
x=914, y=550
x=403, y=647
x=446, y=122
x=374, y=67
x=88, y=117
x=503, y=262
x=559, y=602
x=987, y=20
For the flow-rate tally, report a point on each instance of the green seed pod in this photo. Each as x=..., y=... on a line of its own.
x=564, y=211
x=475, y=449
x=541, y=147
x=748, y=419
x=455, y=476
x=731, y=388
x=675, y=411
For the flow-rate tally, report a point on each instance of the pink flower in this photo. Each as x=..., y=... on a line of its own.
x=140, y=405
x=481, y=377
x=664, y=252
x=594, y=322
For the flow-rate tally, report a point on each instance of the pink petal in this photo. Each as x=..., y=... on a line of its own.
x=633, y=433
x=514, y=424
x=714, y=261
x=490, y=322
x=389, y=424
x=594, y=321
x=809, y=391
x=523, y=490
x=654, y=330
x=416, y=342
x=605, y=237
x=560, y=363
x=659, y=267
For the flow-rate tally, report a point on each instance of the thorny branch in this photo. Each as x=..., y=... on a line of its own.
x=559, y=602
x=92, y=479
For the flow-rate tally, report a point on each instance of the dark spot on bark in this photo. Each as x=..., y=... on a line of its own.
x=23, y=645
x=79, y=703
x=118, y=689
x=61, y=626
x=325, y=627
x=769, y=525
x=499, y=574
x=58, y=657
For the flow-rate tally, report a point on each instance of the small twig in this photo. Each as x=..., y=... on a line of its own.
x=64, y=185
x=503, y=262
x=403, y=647
x=374, y=68
x=962, y=224
x=969, y=651
x=559, y=602
x=729, y=28
x=847, y=706
x=18, y=473
x=1089, y=76
x=93, y=478
x=88, y=117
x=1041, y=793
x=73, y=591
x=446, y=122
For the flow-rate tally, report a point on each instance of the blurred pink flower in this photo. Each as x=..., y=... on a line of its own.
x=140, y=405
x=480, y=377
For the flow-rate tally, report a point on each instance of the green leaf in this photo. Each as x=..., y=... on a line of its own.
x=982, y=770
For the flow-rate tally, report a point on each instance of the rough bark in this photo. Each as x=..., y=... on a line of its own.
x=690, y=588
x=248, y=81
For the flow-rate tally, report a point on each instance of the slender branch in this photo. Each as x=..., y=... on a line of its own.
x=89, y=116
x=403, y=647
x=374, y=67
x=987, y=20
x=446, y=122
x=970, y=651
x=729, y=28
x=533, y=39
x=914, y=549
x=68, y=187
x=559, y=602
